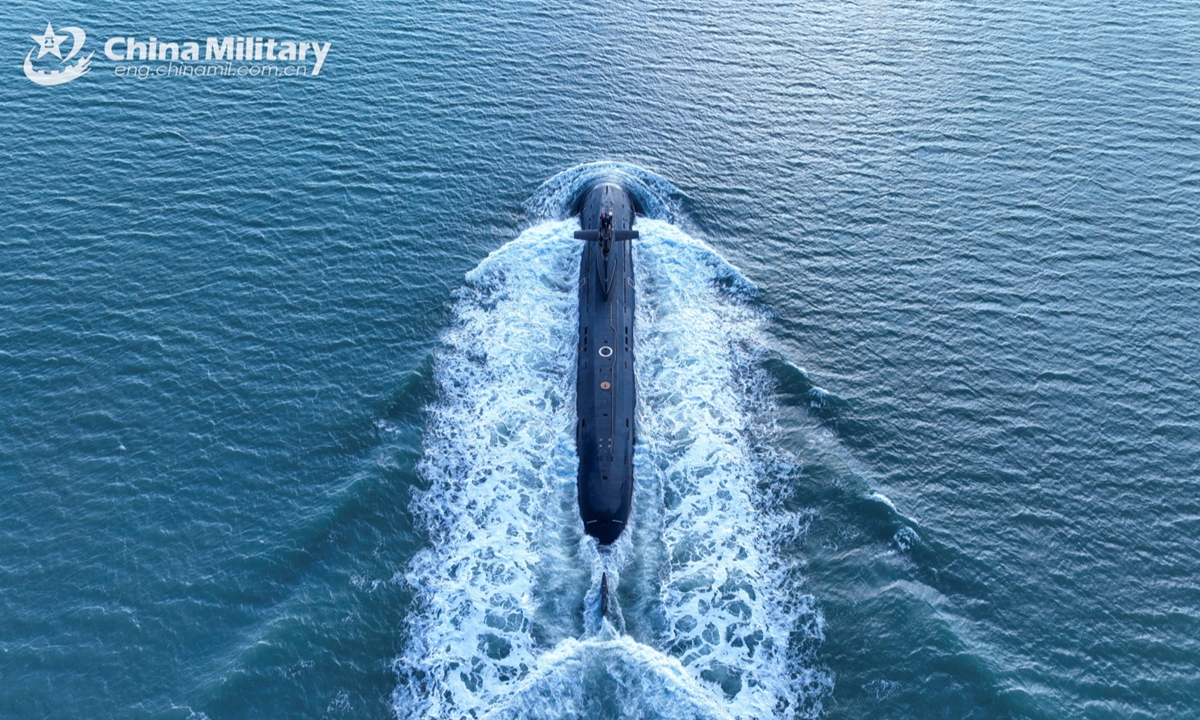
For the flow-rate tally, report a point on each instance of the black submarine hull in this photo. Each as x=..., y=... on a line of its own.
x=606, y=394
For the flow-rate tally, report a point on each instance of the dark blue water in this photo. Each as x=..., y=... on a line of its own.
x=285, y=364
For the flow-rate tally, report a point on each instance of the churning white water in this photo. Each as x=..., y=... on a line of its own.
x=707, y=619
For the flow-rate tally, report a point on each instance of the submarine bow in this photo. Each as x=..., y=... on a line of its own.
x=606, y=396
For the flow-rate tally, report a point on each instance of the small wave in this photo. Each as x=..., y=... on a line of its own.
x=880, y=497
x=906, y=538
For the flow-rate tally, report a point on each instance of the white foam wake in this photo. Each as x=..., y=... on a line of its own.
x=733, y=615
x=500, y=465
x=709, y=622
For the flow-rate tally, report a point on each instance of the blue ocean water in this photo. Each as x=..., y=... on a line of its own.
x=285, y=364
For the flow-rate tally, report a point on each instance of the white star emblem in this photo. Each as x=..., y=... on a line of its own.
x=49, y=42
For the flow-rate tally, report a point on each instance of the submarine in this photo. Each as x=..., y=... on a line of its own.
x=606, y=394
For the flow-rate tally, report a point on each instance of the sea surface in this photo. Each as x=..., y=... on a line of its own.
x=286, y=392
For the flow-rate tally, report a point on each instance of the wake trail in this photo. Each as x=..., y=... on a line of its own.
x=708, y=619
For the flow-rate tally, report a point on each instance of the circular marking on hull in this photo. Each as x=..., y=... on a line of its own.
x=606, y=351
x=606, y=385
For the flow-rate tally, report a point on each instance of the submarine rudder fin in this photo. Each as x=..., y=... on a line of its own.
x=603, y=595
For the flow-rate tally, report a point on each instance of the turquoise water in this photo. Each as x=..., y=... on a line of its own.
x=284, y=364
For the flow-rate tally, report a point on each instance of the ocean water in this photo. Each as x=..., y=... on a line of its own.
x=285, y=364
